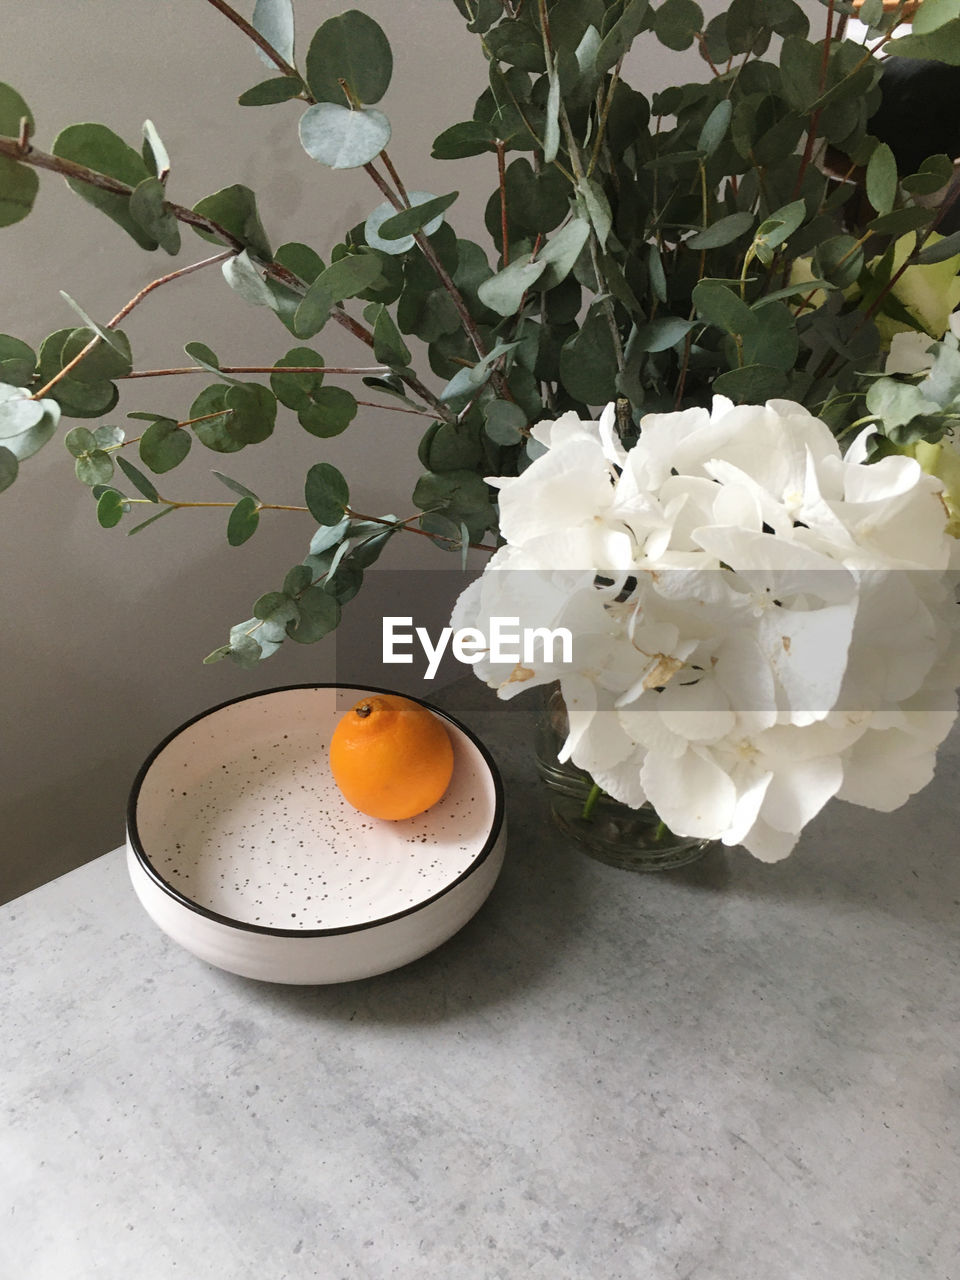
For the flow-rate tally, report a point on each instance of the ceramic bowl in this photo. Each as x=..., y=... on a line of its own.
x=242, y=849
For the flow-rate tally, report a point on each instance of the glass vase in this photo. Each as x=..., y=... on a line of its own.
x=607, y=829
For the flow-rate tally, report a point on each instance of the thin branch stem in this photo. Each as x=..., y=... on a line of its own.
x=604, y=114
x=125, y=311
x=388, y=165
x=502, y=179
x=229, y=12
x=576, y=164
x=407, y=527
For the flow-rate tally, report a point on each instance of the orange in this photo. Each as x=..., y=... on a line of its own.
x=390, y=757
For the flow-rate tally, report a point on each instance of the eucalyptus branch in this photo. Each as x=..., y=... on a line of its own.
x=604, y=115
x=502, y=181
x=407, y=527
x=26, y=154
x=249, y=30
x=576, y=164
x=814, y=124
x=125, y=311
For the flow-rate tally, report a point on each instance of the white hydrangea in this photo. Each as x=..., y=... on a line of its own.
x=759, y=622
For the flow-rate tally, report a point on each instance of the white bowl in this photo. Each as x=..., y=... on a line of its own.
x=242, y=849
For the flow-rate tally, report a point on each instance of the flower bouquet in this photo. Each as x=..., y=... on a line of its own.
x=759, y=622
x=742, y=590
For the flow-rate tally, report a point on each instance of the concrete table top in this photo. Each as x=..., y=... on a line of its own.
x=730, y=1072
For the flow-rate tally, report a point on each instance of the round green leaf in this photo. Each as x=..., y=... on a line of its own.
x=295, y=390
x=94, y=468
x=319, y=615
x=677, y=22
x=17, y=361
x=8, y=468
x=109, y=508
x=350, y=47
x=18, y=190
x=254, y=412
x=243, y=521
x=98, y=147
x=753, y=384
x=235, y=209
x=84, y=399
x=838, y=260
x=213, y=432
x=274, y=20
x=881, y=178
x=164, y=445
x=103, y=362
x=332, y=411
x=341, y=138
x=326, y=493
x=18, y=182
x=148, y=208
x=80, y=440
x=504, y=421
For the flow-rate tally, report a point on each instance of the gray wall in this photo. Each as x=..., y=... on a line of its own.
x=102, y=635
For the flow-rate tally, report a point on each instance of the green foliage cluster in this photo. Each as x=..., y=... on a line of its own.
x=648, y=249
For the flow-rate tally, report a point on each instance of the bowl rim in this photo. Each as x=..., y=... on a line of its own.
x=143, y=859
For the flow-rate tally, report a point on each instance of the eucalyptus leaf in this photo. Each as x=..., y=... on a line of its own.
x=388, y=346
x=722, y=232
x=330, y=412
x=319, y=615
x=143, y=484
x=110, y=508
x=97, y=147
x=18, y=182
x=164, y=445
x=158, y=515
x=19, y=185
x=471, y=138
x=350, y=47
x=677, y=22
x=148, y=208
x=562, y=250
x=269, y=92
x=504, y=291
x=9, y=466
x=881, y=178
x=326, y=493
x=662, y=333
x=244, y=278
x=385, y=212
x=273, y=19
x=243, y=521
x=343, y=138
x=715, y=127
x=235, y=486
x=342, y=279
x=235, y=209
x=504, y=422
x=17, y=361
x=597, y=208
x=415, y=219
x=153, y=151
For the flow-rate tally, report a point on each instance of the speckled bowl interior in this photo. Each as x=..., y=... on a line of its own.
x=242, y=848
